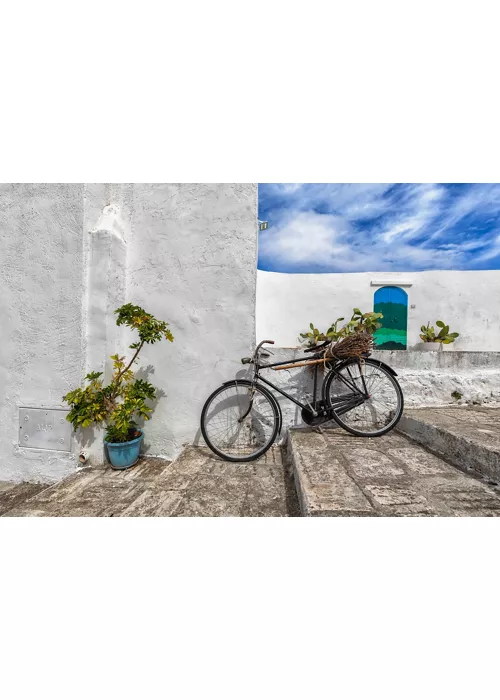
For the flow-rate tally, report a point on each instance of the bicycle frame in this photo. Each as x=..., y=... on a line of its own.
x=348, y=401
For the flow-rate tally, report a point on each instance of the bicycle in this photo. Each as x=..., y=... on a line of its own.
x=242, y=418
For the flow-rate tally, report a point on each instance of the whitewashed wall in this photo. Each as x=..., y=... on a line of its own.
x=42, y=282
x=70, y=254
x=468, y=301
x=192, y=262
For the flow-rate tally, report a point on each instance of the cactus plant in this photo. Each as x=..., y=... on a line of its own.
x=444, y=336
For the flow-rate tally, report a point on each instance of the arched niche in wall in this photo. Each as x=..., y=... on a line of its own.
x=392, y=302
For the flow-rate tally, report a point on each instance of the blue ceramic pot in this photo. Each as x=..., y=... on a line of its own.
x=123, y=455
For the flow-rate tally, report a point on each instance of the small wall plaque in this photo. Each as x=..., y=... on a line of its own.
x=45, y=429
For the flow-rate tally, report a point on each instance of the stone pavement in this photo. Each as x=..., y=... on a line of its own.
x=410, y=474
x=195, y=484
x=337, y=474
x=467, y=437
x=12, y=495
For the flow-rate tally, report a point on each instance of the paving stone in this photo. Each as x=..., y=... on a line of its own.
x=264, y=498
x=367, y=463
x=214, y=496
x=417, y=461
x=147, y=470
x=16, y=494
x=394, y=495
x=153, y=502
x=341, y=439
x=174, y=482
x=192, y=461
x=66, y=489
x=27, y=513
x=342, y=498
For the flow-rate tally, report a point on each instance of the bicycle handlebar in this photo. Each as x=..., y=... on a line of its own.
x=264, y=342
x=248, y=360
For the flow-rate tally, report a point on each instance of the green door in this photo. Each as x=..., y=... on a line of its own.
x=392, y=302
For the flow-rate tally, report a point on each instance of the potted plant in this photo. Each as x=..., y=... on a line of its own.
x=120, y=402
x=435, y=341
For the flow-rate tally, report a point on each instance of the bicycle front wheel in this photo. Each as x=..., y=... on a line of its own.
x=366, y=398
x=239, y=422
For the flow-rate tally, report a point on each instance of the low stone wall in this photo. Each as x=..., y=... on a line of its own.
x=427, y=378
x=430, y=378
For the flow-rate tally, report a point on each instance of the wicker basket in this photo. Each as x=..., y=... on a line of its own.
x=354, y=345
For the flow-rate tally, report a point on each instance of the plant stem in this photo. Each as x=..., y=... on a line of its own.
x=120, y=375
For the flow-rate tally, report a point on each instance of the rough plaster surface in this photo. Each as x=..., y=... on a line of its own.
x=467, y=300
x=41, y=290
x=192, y=262
x=71, y=254
x=106, y=291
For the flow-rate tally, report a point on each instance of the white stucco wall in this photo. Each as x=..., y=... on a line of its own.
x=41, y=288
x=468, y=301
x=192, y=262
x=71, y=254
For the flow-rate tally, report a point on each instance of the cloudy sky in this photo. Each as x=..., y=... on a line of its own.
x=378, y=228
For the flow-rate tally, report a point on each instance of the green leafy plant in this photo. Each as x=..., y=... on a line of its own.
x=456, y=395
x=444, y=336
x=123, y=400
x=359, y=322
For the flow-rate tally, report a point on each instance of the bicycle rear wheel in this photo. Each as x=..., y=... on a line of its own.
x=361, y=415
x=240, y=422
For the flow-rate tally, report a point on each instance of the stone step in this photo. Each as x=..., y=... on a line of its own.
x=337, y=474
x=197, y=483
x=469, y=438
x=13, y=495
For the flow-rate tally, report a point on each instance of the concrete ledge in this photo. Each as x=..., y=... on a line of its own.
x=455, y=360
x=469, y=439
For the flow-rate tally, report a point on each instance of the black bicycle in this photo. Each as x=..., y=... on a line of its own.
x=242, y=418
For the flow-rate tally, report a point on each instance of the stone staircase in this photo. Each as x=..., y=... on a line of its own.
x=194, y=484
x=440, y=462
x=467, y=437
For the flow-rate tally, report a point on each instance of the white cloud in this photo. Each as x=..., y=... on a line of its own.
x=378, y=227
x=306, y=237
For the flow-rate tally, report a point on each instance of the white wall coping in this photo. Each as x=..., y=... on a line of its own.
x=395, y=283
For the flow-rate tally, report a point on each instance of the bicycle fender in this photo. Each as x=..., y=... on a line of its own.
x=384, y=365
x=266, y=391
x=373, y=361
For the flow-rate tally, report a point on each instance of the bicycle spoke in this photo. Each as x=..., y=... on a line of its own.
x=378, y=411
x=239, y=422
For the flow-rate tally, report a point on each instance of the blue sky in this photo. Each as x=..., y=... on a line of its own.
x=379, y=227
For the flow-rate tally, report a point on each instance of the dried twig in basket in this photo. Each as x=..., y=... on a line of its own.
x=354, y=345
